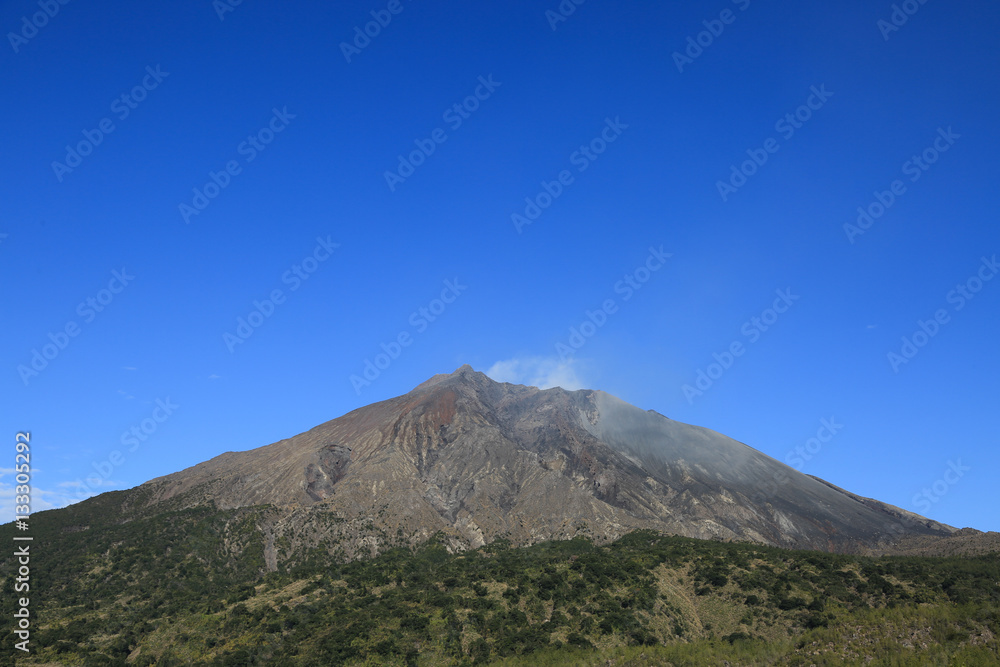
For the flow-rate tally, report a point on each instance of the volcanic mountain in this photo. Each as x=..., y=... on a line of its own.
x=476, y=460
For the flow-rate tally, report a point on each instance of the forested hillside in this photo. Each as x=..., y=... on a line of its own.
x=191, y=587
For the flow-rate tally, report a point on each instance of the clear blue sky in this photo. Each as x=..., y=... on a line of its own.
x=632, y=142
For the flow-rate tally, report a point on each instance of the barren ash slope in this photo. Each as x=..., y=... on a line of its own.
x=480, y=460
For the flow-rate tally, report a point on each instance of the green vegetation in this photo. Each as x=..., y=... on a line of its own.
x=192, y=587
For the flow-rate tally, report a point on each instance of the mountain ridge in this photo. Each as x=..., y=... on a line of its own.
x=479, y=460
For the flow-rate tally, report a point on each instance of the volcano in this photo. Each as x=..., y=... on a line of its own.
x=476, y=460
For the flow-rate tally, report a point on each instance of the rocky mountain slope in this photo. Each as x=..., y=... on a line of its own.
x=477, y=460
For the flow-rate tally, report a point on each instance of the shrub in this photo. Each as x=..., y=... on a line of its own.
x=576, y=639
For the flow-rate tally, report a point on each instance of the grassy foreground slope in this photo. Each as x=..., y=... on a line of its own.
x=191, y=588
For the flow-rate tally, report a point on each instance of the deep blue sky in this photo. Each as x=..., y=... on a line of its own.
x=519, y=291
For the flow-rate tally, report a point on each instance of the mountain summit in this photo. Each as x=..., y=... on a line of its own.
x=479, y=460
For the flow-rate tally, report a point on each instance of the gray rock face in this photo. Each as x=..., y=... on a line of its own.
x=478, y=460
